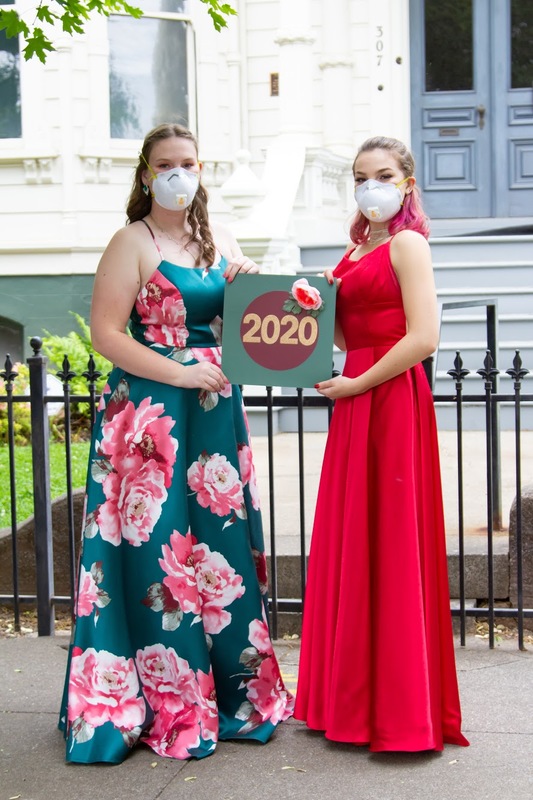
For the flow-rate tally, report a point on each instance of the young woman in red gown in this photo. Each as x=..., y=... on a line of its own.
x=377, y=662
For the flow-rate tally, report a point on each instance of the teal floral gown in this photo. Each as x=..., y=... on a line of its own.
x=171, y=644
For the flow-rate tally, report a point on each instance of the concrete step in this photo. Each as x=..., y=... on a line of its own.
x=289, y=582
x=289, y=579
x=473, y=417
x=458, y=326
x=511, y=299
x=487, y=249
x=444, y=249
x=473, y=354
x=469, y=273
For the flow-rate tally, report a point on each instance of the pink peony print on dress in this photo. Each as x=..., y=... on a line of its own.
x=135, y=436
x=90, y=597
x=133, y=505
x=182, y=700
x=261, y=569
x=161, y=309
x=174, y=735
x=118, y=400
x=208, y=705
x=267, y=697
x=217, y=484
x=168, y=324
x=248, y=476
x=218, y=584
x=214, y=356
x=134, y=462
x=103, y=687
x=259, y=636
x=106, y=390
x=178, y=563
x=167, y=680
x=201, y=581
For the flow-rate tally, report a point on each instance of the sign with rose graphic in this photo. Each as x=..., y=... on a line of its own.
x=278, y=330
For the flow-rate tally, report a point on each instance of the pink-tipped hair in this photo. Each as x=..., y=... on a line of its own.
x=411, y=216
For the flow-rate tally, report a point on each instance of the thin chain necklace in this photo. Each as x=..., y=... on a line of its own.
x=167, y=234
x=374, y=237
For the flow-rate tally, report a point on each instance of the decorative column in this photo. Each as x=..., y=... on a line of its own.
x=337, y=67
x=388, y=38
x=60, y=102
x=213, y=139
x=295, y=39
x=236, y=59
x=265, y=233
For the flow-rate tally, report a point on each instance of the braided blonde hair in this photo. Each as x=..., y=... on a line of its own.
x=140, y=204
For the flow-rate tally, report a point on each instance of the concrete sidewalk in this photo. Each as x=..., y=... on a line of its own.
x=497, y=699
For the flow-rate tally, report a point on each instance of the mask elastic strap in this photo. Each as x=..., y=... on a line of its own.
x=399, y=184
x=147, y=164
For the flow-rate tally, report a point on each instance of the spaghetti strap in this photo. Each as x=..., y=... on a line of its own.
x=153, y=237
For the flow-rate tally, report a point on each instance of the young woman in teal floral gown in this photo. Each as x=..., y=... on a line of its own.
x=171, y=645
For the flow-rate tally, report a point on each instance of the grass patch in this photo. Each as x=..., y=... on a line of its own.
x=24, y=477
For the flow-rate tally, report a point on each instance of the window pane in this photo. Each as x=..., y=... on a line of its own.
x=147, y=74
x=449, y=45
x=521, y=44
x=11, y=339
x=10, y=121
x=169, y=6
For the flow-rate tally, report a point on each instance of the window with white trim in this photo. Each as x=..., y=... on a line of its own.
x=10, y=115
x=151, y=69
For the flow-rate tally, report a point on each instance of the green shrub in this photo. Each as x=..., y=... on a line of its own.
x=78, y=348
x=21, y=411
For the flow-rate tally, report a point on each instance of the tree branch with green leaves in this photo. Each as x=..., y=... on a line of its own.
x=72, y=16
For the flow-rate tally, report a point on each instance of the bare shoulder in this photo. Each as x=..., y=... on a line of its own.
x=406, y=240
x=128, y=249
x=132, y=241
x=410, y=255
x=127, y=237
x=225, y=241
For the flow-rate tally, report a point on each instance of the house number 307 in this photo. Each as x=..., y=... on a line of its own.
x=379, y=44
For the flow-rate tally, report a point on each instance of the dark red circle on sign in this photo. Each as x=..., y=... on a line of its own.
x=278, y=354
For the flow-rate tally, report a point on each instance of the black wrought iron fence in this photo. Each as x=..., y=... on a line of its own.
x=488, y=400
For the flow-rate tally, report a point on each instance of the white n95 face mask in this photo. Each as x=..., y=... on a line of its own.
x=379, y=202
x=175, y=189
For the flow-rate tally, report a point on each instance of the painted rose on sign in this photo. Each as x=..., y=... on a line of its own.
x=304, y=297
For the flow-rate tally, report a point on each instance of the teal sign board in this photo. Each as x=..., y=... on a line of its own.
x=278, y=330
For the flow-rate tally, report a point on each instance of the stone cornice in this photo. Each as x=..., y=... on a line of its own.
x=294, y=37
x=330, y=63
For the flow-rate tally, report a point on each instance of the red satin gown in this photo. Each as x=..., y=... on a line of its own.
x=377, y=662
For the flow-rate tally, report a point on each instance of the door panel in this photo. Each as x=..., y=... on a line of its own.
x=472, y=106
x=513, y=84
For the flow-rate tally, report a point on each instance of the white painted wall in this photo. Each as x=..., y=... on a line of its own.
x=64, y=184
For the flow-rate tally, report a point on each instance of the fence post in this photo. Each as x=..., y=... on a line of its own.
x=44, y=564
x=492, y=342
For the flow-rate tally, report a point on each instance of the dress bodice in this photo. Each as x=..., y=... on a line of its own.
x=180, y=306
x=369, y=300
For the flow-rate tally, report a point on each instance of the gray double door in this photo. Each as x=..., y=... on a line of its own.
x=472, y=106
